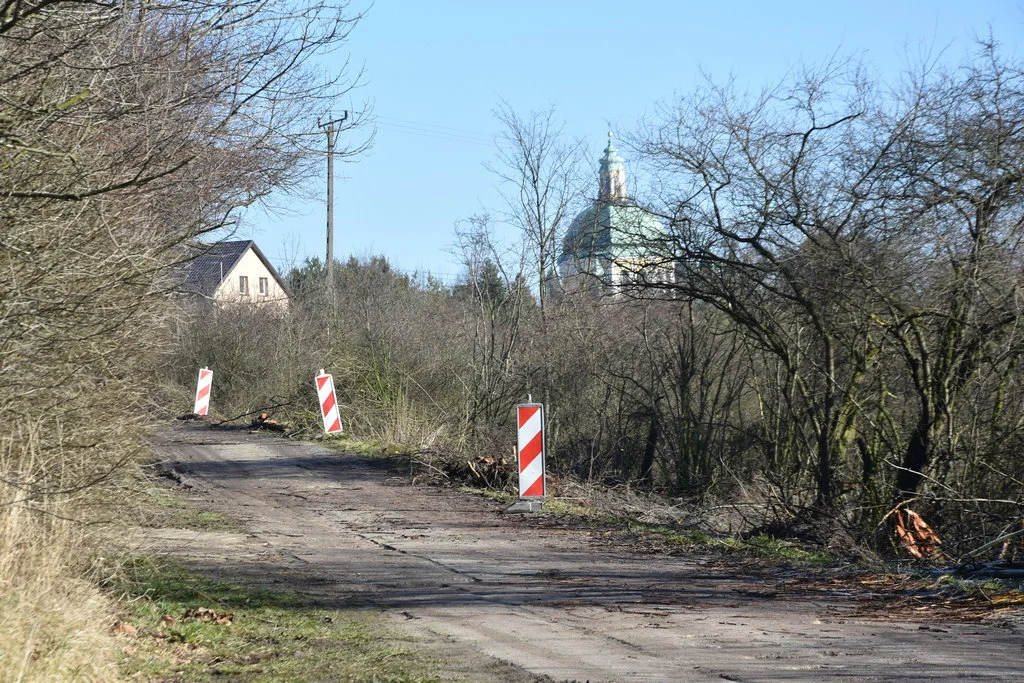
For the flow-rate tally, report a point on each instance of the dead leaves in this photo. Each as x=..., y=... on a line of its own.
x=909, y=597
x=1008, y=599
x=490, y=472
x=194, y=614
x=206, y=614
x=905, y=597
x=913, y=534
x=264, y=421
x=123, y=628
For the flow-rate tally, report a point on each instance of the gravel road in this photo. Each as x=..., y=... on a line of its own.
x=506, y=598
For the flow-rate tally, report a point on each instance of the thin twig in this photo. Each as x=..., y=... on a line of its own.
x=253, y=412
x=1002, y=538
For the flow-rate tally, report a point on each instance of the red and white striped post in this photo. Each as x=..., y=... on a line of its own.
x=328, y=403
x=202, y=404
x=531, y=449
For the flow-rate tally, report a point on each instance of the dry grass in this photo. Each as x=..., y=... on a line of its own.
x=56, y=624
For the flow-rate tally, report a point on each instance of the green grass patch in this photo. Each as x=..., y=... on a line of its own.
x=565, y=507
x=166, y=500
x=503, y=497
x=191, y=628
x=674, y=536
x=166, y=510
x=349, y=445
x=204, y=520
x=761, y=546
x=772, y=548
x=554, y=506
x=972, y=586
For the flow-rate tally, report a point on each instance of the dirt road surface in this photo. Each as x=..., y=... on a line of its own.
x=517, y=598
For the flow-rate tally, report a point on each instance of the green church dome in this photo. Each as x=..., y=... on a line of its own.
x=614, y=228
x=612, y=231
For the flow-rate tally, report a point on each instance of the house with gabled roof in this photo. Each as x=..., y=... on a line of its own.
x=232, y=272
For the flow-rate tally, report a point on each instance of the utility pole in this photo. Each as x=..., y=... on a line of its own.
x=331, y=137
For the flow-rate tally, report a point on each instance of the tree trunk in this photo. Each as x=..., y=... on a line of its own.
x=915, y=459
x=651, y=448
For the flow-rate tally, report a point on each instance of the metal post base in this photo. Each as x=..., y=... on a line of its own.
x=525, y=506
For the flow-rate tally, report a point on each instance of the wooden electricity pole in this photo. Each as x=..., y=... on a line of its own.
x=331, y=137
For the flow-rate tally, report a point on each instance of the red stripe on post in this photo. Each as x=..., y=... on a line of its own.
x=525, y=414
x=530, y=442
x=536, y=489
x=328, y=403
x=321, y=381
x=530, y=451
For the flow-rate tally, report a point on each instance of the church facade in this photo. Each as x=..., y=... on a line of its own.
x=613, y=245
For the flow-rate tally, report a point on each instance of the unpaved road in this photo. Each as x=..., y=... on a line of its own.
x=507, y=598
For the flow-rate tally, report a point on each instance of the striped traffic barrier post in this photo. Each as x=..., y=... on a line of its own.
x=202, y=404
x=531, y=449
x=328, y=403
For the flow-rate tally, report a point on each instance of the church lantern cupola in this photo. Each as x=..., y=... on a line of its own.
x=613, y=174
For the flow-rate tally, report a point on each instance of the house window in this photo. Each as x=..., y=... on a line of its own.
x=243, y=285
x=264, y=287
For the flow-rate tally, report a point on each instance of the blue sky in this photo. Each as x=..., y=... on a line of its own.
x=436, y=70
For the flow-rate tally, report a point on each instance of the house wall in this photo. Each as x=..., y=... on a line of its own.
x=251, y=267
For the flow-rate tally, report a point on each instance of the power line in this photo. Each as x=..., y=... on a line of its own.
x=432, y=131
x=434, y=135
x=421, y=124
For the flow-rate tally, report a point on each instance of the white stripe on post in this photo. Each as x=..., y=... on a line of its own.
x=530, y=420
x=328, y=403
x=203, y=386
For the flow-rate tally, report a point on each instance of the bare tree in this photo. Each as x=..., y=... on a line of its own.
x=498, y=299
x=867, y=246
x=956, y=193
x=126, y=129
x=541, y=173
x=760, y=196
